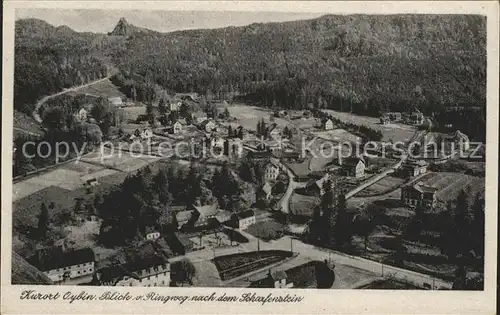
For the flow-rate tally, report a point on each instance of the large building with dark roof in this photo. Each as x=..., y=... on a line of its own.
x=61, y=265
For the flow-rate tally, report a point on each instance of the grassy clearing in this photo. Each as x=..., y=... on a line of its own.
x=133, y=112
x=103, y=88
x=248, y=116
x=395, y=132
x=450, y=184
x=384, y=185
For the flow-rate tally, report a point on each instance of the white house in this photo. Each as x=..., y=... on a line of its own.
x=209, y=125
x=146, y=134
x=244, y=219
x=115, y=101
x=272, y=171
x=419, y=194
x=265, y=191
x=354, y=166
x=177, y=127
x=152, y=234
x=460, y=139
x=81, y=115
x=278, y=279
x=153, y=271
x=417, y=118
x=327, y=124
x=60, y=265
x=273, y=131
x=175, y=106
x=215, y=141
x=415, y=168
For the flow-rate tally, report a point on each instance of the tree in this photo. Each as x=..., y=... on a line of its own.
x=343, y=225
x=101, y=111
x=477, y=226
x=55, y=118
x=226, y=114
x=365, y=223
x=162, y=186
x=182, y=272
x=43, y=221
x=162, y=108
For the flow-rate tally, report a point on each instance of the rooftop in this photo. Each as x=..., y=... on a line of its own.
x=207, y=210
x=56, y=258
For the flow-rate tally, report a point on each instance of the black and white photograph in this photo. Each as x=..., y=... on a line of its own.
x=248, y=149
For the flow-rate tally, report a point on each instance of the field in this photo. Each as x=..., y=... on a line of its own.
x=450, y=184
x=104, y=88
x=249, y=116
x=394, y=132
x=266, y=230
x=303, y=205
x=337, y=135
x=119, y=161
x=232, y=266
x=384, y=185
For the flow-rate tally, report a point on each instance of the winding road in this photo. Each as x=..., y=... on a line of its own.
x=36, y=115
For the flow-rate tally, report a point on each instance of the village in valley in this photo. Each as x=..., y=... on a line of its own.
x=212, y=189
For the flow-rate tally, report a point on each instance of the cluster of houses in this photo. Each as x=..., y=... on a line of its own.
x=415, y=118
x=211, y=217
x=151, y=266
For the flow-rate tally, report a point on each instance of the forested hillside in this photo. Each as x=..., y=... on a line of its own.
x=365, y=64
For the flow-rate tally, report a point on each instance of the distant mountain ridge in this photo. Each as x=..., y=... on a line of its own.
x=377, y=62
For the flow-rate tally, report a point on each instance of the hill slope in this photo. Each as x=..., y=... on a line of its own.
x=24, y=273
x=372, y=62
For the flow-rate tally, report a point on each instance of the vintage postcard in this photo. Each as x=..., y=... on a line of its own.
x=249, y=157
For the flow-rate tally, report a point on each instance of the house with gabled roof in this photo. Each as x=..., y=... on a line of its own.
x=271, y=171
x=243, y=219
x=415, y=167
x=278, y=279
x=354, y=166
x=265, y=191
x=208, y=125
x=60, y=265
x=273, y=131
x=177, y=127
x=327, y=124
x=151, y=269
x=419, y=194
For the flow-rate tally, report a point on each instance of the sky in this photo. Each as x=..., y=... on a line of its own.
x=103, y=21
